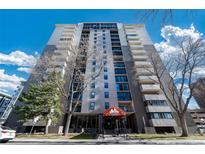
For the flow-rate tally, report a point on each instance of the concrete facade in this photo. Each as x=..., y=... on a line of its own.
x=123, y=52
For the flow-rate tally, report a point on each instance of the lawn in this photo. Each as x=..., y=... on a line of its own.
x=164, y=137
x=54, y=136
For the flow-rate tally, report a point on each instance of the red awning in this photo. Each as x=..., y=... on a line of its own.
x=114, y=112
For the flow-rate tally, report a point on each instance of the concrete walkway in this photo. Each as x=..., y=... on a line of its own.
x=113, y=140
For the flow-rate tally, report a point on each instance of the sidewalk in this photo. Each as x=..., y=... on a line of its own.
x=105, y=141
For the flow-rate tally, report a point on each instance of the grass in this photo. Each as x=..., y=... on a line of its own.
x=164, y=137
x=54, y=136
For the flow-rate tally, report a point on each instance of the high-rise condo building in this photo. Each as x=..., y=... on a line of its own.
x=127, y=79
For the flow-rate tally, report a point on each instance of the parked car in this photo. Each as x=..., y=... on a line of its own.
x=6, y=134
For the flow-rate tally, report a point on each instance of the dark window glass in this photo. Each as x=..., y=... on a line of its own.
x=105, y=69
x=92, y=94
x=92, y=85
x=105, y=85
x=105, y=76
x=106, y=94
x=122, y=86
x=120, y=71
x=160, y=115
x=92, y=106
x=107, y=105
x=94, y=62
x=124, y=96
x=93, y=69
x=121, y=79
x=119, y=64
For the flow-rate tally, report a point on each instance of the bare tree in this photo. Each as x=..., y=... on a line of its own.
x=164, y=16
x=75, y=81
x=182, y=64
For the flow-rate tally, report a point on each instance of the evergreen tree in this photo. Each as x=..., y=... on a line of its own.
x=42, y=100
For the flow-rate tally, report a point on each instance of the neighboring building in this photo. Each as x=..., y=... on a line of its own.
x=124, y=81
x=199, y=92
x=7, y=102
x=4, y=102
x=199, y=117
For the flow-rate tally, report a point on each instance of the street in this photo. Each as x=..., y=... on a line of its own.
x=102, y=142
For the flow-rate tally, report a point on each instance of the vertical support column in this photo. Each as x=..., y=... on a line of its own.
x=100, y=123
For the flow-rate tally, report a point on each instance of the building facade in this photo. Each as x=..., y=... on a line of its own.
x=199, y=91
x=127, y=79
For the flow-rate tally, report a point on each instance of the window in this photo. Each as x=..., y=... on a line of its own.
x=95, y=38
x=116, y=48
x=92, y=85
x=105, y=51
x=93, y=69
x=92, y=106
x=104, y=42
x=121, y=79
x=92, y=94
x=105, y=85
x=117, y=53
x=156, y=102
x=122, y=86
x=132, y=35
x=124, y=96
x=105, y=62
x=105, y=69
x=104, y=57
x=160, y=115
x=105, y=76
x=119, y=64
x=104, y=46
x=107, y=105
x=120, y=71
x=103, y=38
x=106, y=94
x=94, y=62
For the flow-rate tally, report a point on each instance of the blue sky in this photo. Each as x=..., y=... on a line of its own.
x=29, y=30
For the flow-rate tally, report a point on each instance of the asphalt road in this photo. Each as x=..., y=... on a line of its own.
x=102, y=142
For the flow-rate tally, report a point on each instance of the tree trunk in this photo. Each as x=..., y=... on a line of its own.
x=67, y=125
x=47, y=125
x=183, y=126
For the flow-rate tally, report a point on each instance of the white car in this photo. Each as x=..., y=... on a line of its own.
x=6, y=134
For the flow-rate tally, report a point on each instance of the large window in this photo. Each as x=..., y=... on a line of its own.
x=124, y=96
x=105, y=69
x=119, y=64
x=121, y=79
x=120, y=71
x=122, y=86
x=92, y=106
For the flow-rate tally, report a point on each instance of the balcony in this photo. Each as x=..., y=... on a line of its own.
x=162, y=122
x=148, y=79
x=143, y=71
x=133, y=42
x=140, y=57
x=150, y=88
x=138, y=52
x=148, y=97
x=136, y=47
x=157, y=108
x=143, y=64
x=57, y=70
x=58, y=64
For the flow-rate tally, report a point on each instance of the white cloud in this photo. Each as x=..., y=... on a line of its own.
x=25, y=69
x=9, y=83
x=168, y=49
x=18, y=58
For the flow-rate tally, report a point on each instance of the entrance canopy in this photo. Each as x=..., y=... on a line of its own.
x=114, y=112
